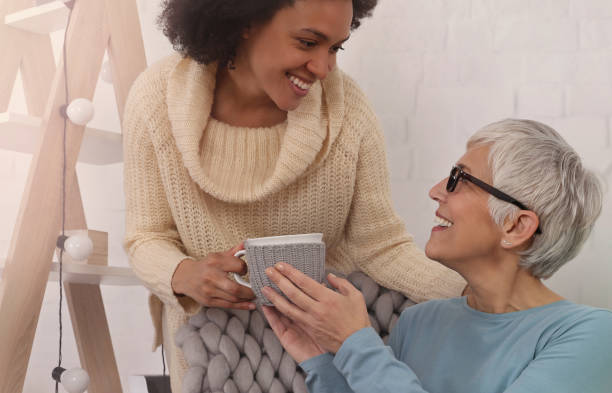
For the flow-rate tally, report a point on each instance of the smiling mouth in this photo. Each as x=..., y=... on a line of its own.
x=298, y=82
x=442, y=222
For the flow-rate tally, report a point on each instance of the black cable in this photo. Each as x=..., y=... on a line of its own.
x=61, y=254
x=163, y=360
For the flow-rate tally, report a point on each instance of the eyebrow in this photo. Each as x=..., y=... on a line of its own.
x=464, y=167
x=321, y=35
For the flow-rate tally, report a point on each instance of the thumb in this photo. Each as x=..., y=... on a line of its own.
x=342, y=285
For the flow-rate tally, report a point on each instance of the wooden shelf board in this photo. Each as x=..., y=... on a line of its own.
x=42, y=19
x=82, y=273
x=21, y=133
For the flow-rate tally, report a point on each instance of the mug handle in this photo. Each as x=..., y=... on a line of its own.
x=237, y=277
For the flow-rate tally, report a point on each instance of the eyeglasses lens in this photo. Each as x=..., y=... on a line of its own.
x=452, y=179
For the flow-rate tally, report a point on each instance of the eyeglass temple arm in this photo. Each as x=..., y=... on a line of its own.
x=494, y=191
x=497, y=193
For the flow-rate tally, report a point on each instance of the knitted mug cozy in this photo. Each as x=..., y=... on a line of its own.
x=235, y=351
x=309, y=258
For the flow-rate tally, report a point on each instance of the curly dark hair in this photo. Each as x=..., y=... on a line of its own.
x=210, y=30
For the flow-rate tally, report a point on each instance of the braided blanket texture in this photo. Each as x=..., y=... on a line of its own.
x=235, y=351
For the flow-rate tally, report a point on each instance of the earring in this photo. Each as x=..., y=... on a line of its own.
x=230, y=64
x=506, y=243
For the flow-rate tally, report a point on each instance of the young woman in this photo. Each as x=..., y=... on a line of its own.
x=515, y=208
x=250, y=131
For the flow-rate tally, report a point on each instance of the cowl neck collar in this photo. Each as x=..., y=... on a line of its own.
x=311, y=129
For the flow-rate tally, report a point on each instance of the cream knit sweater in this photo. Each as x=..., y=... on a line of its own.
x=195, y=185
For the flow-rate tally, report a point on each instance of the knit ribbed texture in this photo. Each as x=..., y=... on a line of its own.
x=253, y=151
x=325, y=174
x=308, y=258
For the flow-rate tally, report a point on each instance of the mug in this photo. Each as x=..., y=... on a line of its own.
x=305, y=252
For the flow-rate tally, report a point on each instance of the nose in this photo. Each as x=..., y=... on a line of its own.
x=438, y=192
x=321, y=63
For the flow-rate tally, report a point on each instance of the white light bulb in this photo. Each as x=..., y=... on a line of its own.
x=106, y=73
x=75, y=380
x=79, y=247
x=80, y=111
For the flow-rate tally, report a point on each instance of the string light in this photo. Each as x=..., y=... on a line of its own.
x=78, y=246
x=80, y=111
x=74, y=380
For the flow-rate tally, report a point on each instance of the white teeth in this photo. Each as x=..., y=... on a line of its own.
x=442, y=222
x=299, y=83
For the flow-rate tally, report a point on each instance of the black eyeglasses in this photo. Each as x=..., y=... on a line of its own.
x=457, y=173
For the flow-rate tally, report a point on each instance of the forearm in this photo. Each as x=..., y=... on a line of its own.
x=152, y=240
x=369, y=366
x=406, y=269
x=154, y=262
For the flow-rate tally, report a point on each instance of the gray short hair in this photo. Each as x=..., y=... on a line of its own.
x=531, y=162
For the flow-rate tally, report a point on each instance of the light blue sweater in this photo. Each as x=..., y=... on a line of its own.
x=445, y=346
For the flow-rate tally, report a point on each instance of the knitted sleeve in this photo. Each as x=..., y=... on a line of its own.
x=375, y=238
x=152, y=241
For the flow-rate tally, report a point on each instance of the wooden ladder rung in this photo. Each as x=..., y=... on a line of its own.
x=21, y=133
x=42, y=19
x=82, y=273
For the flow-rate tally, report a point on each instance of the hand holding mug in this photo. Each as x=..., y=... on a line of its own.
x=207, y=281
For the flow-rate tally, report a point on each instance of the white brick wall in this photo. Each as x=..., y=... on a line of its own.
x=591, y=9
x=435, y=71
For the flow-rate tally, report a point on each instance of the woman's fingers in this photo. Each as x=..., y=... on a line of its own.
x=342, y=285
x=298, y=287
x=234, y=249
x=206, y=296
x=217, y=285
x=283, y=306
x=239, y=305
x=293, y=293
x=211, y=296
x=276, y=322
x=230, y=263
x=231, y=287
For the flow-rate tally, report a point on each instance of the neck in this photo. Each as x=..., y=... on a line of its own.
x=236, y=93
x=502, y=286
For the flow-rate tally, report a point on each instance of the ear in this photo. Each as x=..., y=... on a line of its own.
x=517, y=232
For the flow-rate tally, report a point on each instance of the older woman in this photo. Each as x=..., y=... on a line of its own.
x=515, y=208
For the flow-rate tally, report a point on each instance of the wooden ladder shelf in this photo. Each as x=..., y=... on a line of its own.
x=95, y=26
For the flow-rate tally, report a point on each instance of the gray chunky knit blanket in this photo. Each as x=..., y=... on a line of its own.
x=235, y=351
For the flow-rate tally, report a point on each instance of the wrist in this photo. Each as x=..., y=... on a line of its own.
x=308, y=356
x=352, y=330
x=176, y=281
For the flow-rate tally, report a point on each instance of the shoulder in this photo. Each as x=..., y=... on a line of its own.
x=582, y=318
x=356, y=102
x=340, y=88
x=352, y=92
x=146, y=107
x=160, y=70
x=151, y=84
x=574, y=328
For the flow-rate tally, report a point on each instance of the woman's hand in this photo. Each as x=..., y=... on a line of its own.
x=296, y=340
x=207, y=282
x=329, y=317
